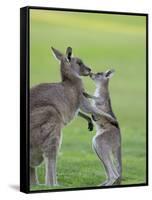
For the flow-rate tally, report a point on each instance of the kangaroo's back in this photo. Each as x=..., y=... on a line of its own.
x=62, y=97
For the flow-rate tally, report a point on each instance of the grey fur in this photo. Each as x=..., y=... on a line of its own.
x=107, y=141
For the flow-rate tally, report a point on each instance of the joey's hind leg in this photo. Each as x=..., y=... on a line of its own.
x=103, y=151
x=118, y=163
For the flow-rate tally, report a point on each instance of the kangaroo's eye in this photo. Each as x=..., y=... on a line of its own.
x=79, y=62
x=108, y=73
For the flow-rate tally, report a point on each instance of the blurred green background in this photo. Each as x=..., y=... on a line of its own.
x=102, y=41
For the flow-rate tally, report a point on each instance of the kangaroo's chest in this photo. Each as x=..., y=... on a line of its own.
x=71, y=107
x=101, y=103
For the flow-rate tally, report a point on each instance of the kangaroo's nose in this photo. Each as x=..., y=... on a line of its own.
x=88, y=69
x=90, y=74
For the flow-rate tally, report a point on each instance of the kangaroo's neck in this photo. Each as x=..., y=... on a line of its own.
x=76, y=85
x=102, y=92
x=103, y=98
x=70, y=78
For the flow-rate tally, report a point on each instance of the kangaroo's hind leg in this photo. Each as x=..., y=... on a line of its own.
x=118, y=162
x=50, y=148
x=103, y=151
x=36, y=159
x=33, y=176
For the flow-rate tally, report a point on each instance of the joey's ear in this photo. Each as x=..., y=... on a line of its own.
x=57, y=53
x=69, y=53
x=109, y=73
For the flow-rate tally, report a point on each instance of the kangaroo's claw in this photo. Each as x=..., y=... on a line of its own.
x=90, y=126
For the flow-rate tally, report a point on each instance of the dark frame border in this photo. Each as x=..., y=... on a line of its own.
x=24, y=97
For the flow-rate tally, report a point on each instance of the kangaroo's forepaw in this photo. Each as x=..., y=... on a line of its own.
x=114, y=181
x=52, y=184
x=90, y=126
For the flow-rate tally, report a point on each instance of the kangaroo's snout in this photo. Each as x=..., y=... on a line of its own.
x=85, y=70
x=102, y=76
x=92, y=76
x=89, y=70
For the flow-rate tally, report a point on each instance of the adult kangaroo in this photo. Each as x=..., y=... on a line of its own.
x=107, y=141
x=52, y=106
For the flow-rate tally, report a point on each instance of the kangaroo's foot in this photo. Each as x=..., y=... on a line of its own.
x=33, y=183
x=113, y=181
x=103, y=183
x=51, y=184
x=118, y=181
x=90, y=126
x=33, y=177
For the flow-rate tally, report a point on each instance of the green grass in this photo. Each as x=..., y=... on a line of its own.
x=102, y=41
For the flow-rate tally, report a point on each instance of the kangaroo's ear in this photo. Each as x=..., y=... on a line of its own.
x=109, y=73
x=69, y=53
x=57, y=53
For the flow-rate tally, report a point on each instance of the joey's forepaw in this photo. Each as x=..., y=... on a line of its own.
x=90, y=126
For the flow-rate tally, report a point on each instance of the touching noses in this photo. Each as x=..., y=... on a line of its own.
x=88, y=69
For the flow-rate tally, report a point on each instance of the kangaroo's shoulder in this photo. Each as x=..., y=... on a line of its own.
x=45, y=93
x=45, y=87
